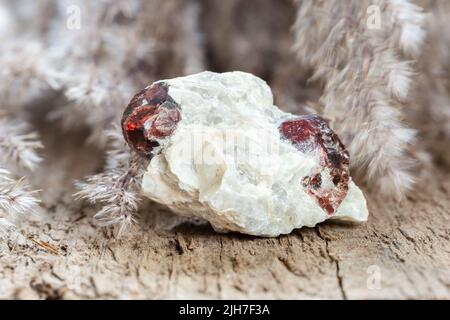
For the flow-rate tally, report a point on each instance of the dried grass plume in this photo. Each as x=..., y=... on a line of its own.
x=362, y=52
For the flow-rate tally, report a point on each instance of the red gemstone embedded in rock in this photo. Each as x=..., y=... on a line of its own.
x=152, y=114
x=165, y=122
x=312, y=133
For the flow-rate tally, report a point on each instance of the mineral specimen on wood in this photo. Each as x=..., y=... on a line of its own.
x=220, y=150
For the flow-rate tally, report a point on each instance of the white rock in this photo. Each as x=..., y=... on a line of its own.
x=206, y=169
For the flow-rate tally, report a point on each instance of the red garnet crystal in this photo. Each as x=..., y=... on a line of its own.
x=152, y=114
x=312, y=134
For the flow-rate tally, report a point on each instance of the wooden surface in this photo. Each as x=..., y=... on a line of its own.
x=402, y=252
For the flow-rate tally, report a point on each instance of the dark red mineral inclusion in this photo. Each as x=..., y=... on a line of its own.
x=312, y=133
x=151, y=114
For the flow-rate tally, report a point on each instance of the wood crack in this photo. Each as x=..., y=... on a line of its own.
x=220, y=269
x=335, y=261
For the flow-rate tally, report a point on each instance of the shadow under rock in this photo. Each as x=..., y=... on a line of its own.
x=157, y=217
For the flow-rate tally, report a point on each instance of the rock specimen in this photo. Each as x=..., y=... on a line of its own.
x=220, y=150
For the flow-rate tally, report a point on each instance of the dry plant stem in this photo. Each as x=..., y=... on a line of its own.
x=366, y=81
x=127, y=182
x=18, y=145
x=117, y=189
x=18, y=151
x=17, y=200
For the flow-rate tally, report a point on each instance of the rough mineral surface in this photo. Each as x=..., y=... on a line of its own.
x=220, y=150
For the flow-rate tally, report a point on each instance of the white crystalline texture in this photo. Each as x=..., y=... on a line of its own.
x=228, y=161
